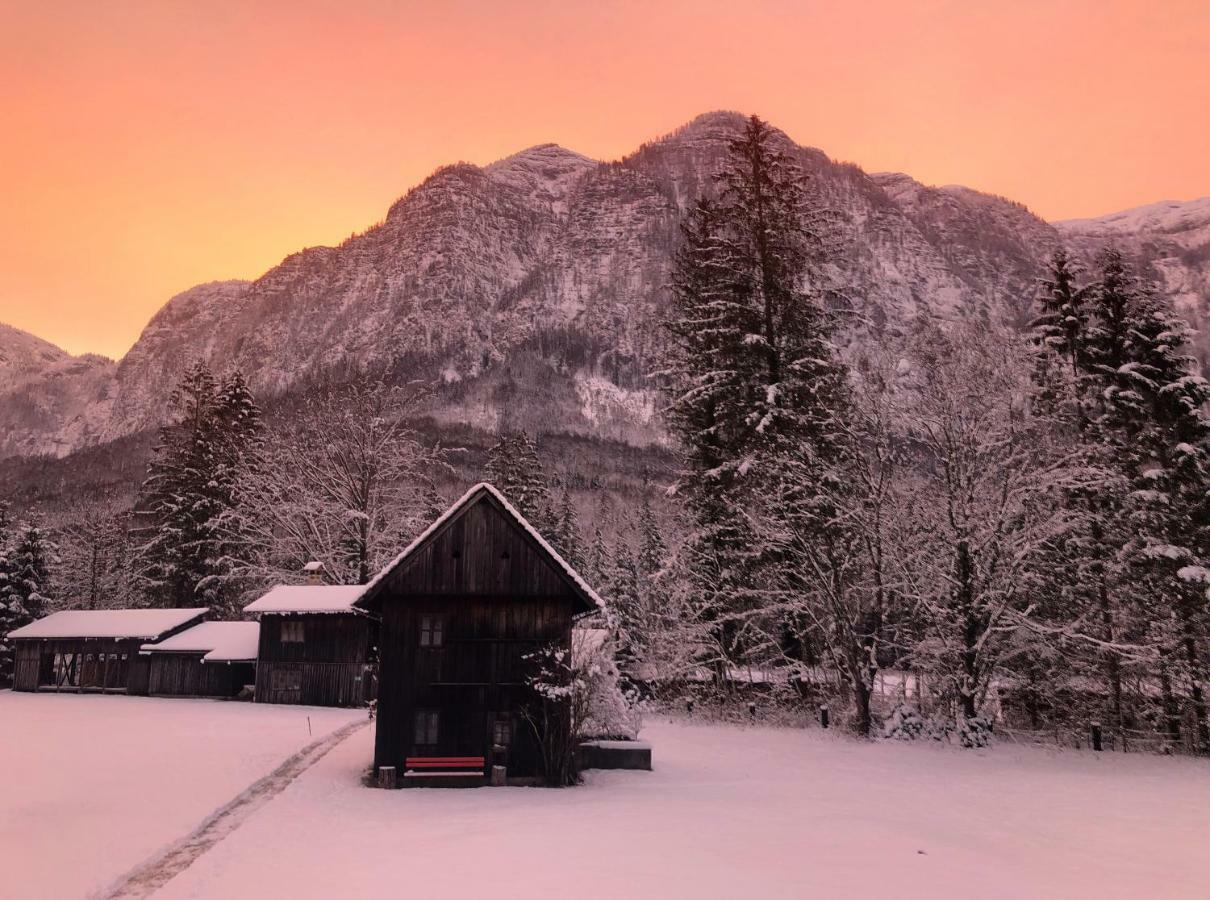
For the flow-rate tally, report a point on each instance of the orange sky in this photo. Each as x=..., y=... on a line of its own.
x=148, y=146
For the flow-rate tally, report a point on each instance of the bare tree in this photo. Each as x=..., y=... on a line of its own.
x=347, y=481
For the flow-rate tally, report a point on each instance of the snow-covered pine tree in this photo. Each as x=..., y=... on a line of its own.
x=1171, y=497
x=30, y=561
x=652, y=548
x=515, y=470
x=183, y=499
x=596, y=562
x=1081, y=588
x=1062, y=323
x=12, y=611
x=751, y=373
x=566, y=534
x=238, y=435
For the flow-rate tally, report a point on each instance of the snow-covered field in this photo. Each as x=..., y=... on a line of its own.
x=729, y=812
x=90, y=786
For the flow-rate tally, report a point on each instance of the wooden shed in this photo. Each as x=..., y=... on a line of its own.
x=316, y=647
x=211, y=659
x=461, y=608
x=93, y=651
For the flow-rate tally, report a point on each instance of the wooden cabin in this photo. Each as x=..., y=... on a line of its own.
x=315, y=647
x=94, y=651
x=211, y=659
x=461, y=608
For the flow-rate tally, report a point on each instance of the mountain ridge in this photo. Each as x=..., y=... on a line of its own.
x=528, y=290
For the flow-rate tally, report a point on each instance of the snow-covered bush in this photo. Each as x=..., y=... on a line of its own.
x=609, y=712
x=577, y=696
x=903, y=724
x=975, y=732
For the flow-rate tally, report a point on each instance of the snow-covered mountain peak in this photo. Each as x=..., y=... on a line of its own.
x=545, y=172
x=22, y=352
x=1165, y=217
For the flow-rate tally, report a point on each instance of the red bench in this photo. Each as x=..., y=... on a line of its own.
x=445, y=762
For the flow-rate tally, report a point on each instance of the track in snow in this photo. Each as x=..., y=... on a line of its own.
x=153, y=873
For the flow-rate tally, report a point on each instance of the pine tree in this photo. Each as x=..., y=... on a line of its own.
x=190, y=495
x=596, y=562
x=566, y=535
x=1063, y=323
x=12, y=612
x=652, y=549
x=29, y=569
x=1171, y=510
x=514, y=469
x=752, y=374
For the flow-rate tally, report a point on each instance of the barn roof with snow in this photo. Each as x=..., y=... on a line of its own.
x=111, y=624
x=484, y=493
x=309, y=598
x=217, y=641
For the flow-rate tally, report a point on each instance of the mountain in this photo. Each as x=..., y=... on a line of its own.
x=529, y=291
x=1170, y=241
x=48, y=398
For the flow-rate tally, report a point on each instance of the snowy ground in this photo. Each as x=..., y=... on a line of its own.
x=90, y=786
x=729, y=812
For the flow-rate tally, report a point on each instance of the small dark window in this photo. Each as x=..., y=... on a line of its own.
x=502, y=732
x=432, y=631
x=292, y=632
x=426, y=722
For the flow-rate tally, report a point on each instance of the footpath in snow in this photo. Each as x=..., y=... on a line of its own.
x=92, y=786
x=740, y=812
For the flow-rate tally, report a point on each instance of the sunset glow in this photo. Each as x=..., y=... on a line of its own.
x=151, y=146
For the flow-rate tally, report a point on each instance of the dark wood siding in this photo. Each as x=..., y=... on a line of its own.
x=331, y=666
x=500, y=599
x=185, y=675
x=81, y=665
x=26, y=661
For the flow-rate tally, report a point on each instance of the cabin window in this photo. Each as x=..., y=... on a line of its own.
x=425, y=727
x=432, y=631
x=502, y=732
x=292, y=632
x=287, y=679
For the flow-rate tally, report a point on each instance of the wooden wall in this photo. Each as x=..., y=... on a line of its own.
x=87, y=672
x=501, y=599
x=185, y=675
x=332, y=666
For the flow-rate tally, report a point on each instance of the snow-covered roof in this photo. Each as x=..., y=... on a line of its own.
x=219, y=641
x=462, y=503
x=308, y=598
x=148, y=624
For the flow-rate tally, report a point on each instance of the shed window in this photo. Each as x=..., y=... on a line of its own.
x=425, y=728
x=502, y=732
x=432, y=631
x=292, y=632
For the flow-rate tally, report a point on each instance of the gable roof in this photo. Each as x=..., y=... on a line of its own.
x=148, y=624
x=219, y=641
x=579, y=587
x=309, y=598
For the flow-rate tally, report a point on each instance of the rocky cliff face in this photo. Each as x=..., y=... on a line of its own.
x=529, y=291
x=48, y=398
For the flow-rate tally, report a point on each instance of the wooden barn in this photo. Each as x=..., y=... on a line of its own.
x=94, y=651
x=211, y=659
x=316, y=647
x=461, y=608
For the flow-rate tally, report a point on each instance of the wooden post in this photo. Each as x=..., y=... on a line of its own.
x=823, y=715
x=1096, y=736
x=499, y=776
x=386, y=777
x=752, y=710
